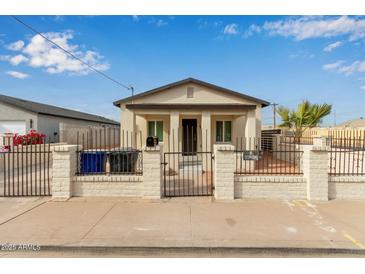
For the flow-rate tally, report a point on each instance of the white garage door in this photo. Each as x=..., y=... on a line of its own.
x=12, y=127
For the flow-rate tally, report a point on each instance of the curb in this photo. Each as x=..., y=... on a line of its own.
x=196, y=251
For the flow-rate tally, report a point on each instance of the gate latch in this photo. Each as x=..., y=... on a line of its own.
x=164, y=163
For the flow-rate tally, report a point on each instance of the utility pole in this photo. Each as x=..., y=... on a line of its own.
x=131, y=88
x=274, y=113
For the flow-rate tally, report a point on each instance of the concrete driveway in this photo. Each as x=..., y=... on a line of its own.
x=184, y=223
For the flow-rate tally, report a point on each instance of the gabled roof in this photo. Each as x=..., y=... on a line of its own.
x=353, y=123
x=194, y=81
x=53, y=110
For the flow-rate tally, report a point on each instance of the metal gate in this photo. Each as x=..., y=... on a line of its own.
x=187, y=172
x=188, y=175
x=25, y=167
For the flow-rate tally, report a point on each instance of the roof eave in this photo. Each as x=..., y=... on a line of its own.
x=188, y=80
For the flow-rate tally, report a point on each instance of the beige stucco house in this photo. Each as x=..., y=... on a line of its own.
x=191, y=115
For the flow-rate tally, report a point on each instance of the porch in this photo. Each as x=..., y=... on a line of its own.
x=192, y=128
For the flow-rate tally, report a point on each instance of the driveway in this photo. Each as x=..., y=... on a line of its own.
x=184, y=223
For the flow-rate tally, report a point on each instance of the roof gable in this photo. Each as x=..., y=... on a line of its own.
x=187, y=81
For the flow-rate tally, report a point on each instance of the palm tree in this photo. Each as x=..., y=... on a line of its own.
x=306, y=115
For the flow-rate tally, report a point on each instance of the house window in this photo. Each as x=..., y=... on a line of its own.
x=190, y=92
x=223, y=131
x=155, y=128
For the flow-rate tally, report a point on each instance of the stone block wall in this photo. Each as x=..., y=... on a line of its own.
x=315, y=169
x=315, y=184
x=152, y=172
x=63, y=170
x=224, y=168
x=346, y=187
x=108, y=186
x=272, y=187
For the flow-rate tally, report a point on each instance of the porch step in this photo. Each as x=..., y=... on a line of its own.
x=189, y=161
x=190, y=164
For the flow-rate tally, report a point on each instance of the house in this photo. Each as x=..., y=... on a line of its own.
x=20, y=116
x=191, y=115
x=353, y=124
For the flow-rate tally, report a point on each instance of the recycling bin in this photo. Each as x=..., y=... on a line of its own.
x=92, y=161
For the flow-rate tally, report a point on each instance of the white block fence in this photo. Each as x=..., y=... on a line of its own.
x=314, y=184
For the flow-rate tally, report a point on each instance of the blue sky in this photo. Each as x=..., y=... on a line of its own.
x=282, y=59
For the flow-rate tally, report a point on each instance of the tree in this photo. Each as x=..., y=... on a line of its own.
x=306, y=115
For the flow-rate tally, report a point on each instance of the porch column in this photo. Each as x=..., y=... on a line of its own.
x=206, y=138
x=174, y=137
x=127, y=125
x=258, y=120
x=250, y=130
x=174, y=131
x=206, y=131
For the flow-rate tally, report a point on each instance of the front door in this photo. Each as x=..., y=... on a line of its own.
x=189, y=136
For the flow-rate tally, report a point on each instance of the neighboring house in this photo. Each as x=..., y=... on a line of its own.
x=192, y=115
x=354, y=124
x=20, y=116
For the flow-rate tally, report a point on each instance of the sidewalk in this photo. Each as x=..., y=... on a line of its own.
x=184, y=222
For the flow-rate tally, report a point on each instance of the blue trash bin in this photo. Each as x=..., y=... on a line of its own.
x=92, y=161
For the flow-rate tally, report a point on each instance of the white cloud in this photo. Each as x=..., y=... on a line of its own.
x=4, y=57
x=58, y=18
x=306, y=27
x=302, y=54
x=161, y=23
x=354, y=67
x=135, y=18
x=39, y=53
x=252, y=30
x=17, y=59
x=157, y=22
x=231, y=29
x=363, y=87
x=17, y=74
x=205, y=24
x=18, y=45
x=333, y=66
x=332, y=46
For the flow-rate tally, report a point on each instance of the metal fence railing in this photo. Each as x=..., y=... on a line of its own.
x=25, y=166
x=263, y=156
x=303, y=140
x=109, y=151
x=346, y=156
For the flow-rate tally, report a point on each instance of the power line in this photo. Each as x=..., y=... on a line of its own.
x=128, y=87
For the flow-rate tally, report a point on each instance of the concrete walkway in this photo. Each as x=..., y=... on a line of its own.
x=183, y=222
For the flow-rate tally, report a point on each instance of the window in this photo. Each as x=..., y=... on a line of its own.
x=223, y=131
x=155, y=128
x=190, y=92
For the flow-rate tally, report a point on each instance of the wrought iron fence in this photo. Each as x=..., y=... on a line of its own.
x=263, y=156
x=302, y=140
x=25, y=166
x=109, y=151
x=346, y=156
